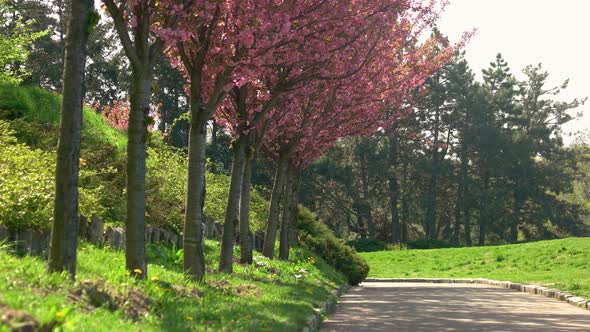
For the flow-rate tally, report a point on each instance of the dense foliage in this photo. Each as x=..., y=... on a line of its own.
x=367, y=245
x=476, y=162
x=27, y=182
x=28, y=130
x=315, y=236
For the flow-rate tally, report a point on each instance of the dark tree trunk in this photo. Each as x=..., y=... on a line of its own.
x=286, y=221
x=273, y=212
x=233, y=205
x=367, y=211
x=64, y=231
x=405, y=213
x=515, y=218
x=483, y=210
x=467, y=226
x=432, y=188
x=461, y=191
x=395, y=236
x=295, y=198
x=245, y=244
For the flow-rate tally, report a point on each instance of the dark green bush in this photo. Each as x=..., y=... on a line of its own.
x=428, y=244
x=27, y=182
x=366, y=245
x=317, y=237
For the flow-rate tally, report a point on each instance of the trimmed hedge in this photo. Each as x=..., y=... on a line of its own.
x=429, y=244
x=366, y=245
x=317, y=237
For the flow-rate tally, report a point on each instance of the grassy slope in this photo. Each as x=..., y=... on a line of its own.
x=37, y=105
x=278, y=301
x=563, y=264
x=283, y=297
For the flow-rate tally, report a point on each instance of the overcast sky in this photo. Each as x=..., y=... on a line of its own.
x=555, y=33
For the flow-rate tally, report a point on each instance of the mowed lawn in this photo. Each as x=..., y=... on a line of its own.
x=562, y=264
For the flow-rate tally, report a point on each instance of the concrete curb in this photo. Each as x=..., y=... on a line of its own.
x=524, y=288
x=327, y=307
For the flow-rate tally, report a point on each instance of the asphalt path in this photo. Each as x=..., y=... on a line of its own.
x=386, y=306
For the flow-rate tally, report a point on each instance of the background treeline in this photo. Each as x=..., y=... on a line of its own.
x=478, y=162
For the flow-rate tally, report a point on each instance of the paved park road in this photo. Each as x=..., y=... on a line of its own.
x=451, y=307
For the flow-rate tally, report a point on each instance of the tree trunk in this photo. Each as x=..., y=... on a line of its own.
x=295, y=198
x=405, y=213
x=286, y=221
x=233, y=205
x=393, y=191
x=367, y=211
x=432, y=189
x=515, y=219
x=64, y=232
x=245, y=244
x=483, y=210
x=273, y=212
x=460, y=191
x=467, y=226
x=194, y=258
x=136, y=156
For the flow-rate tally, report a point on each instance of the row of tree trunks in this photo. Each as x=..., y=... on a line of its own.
x=232, y=210
x=273, y=212
x=245, y=247
x=64, y=233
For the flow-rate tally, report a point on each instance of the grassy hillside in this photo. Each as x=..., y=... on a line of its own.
x=563, y=264
x=267, y=296
x=29, y=120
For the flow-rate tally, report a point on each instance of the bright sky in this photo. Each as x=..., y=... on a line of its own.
x=555, y=33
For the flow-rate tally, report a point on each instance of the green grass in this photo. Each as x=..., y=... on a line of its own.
x=280, y=295
x=36, y=105
x=562, y=264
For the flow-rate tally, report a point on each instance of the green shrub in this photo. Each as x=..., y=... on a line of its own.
x=317, y=237
x=33, y=120
x=428, y=244
x=367, y=245
x=27, y=184
x=166, y=191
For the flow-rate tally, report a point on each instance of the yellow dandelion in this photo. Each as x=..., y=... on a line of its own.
x=155, y=278
x=59, y=314
x=137, y=271
x=188, y=318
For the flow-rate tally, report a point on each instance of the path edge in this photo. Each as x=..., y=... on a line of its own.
x=326, y=308
x=553, y=293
